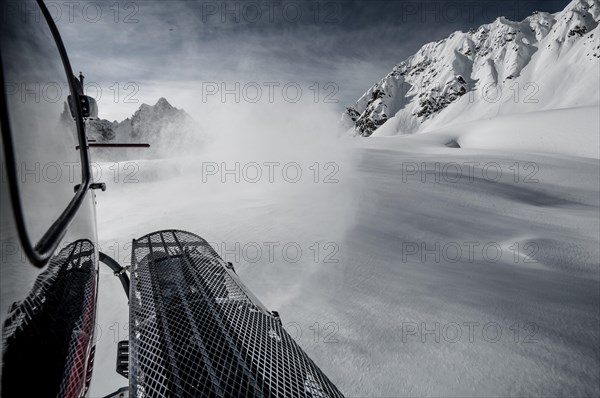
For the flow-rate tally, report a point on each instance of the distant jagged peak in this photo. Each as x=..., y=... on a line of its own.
x=162, y=103
x=148, y=121
x=161, y=108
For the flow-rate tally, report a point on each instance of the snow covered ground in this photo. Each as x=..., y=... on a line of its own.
x=425, y=270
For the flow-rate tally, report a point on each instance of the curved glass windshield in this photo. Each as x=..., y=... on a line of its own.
x=43, y=131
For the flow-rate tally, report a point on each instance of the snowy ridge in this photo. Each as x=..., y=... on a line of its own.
x=546, y=61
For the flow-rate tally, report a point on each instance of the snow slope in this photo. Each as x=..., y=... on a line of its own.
x=547, y=61
x=386, y=299
x=572, y=132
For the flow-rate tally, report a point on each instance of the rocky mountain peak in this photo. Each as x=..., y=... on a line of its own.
x=498, y=54
x=162, y=103
x=148, y=124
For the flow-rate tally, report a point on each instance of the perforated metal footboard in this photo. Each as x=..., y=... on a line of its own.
x=196, y=331
x=48, y=337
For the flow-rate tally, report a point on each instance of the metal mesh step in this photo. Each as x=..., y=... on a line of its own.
x=196, y=331
x=48, y=336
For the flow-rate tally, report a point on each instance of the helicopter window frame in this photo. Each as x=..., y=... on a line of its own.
x=40, y=253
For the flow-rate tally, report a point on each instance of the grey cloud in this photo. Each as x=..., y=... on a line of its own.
x=179, y=44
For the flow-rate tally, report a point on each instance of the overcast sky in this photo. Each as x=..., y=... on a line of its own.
x=138, y=51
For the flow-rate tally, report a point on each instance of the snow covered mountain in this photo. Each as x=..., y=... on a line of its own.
x=155, y=124
x=547, y=61
x=146, y=123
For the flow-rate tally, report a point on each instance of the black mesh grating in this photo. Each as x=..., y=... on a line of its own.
x=197, y=332
x=50, y=332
